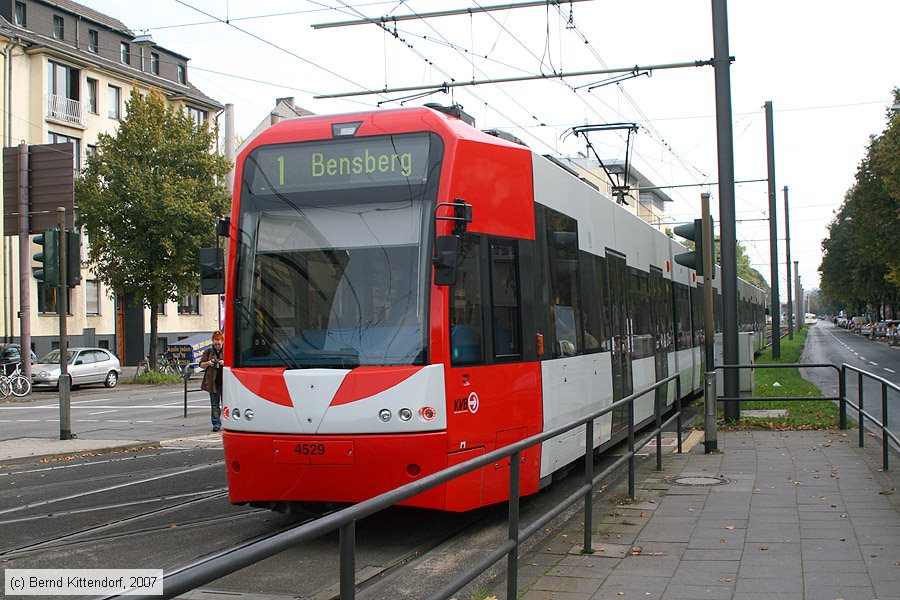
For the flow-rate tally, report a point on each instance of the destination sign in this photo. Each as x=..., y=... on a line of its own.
x=339, y=164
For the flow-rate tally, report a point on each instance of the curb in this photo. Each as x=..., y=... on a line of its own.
x=35, y=458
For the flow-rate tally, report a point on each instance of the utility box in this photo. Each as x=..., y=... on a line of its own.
x=746, y=351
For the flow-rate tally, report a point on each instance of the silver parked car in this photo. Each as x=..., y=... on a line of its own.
x=85, y=365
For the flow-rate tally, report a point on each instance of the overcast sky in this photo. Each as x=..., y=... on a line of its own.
x=827, y=66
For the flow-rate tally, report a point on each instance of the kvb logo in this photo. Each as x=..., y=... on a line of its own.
x=473, y=403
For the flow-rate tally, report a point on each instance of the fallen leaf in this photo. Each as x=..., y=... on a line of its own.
x=763, y=548
x=728, y=527
x=636, y=550
x=725, y=580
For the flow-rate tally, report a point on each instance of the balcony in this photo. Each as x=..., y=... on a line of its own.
x=65, y=110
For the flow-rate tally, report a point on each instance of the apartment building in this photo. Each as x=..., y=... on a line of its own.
x=643, y=197
x=67, y=72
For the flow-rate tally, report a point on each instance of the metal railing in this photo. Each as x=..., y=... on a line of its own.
x=64, y=109
x=213, y=567
x=843, y=401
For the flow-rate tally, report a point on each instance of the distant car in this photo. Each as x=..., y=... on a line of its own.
x=11, y=354
x=866, y=329
x=85, y=365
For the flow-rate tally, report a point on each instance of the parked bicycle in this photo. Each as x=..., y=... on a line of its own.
x=15, y=383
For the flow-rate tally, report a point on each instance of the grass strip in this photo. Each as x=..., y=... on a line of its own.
x=814, y=414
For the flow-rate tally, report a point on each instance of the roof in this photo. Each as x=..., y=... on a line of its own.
x=89, y=13
x=177, y=90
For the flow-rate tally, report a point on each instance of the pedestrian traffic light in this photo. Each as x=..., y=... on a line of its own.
x=694, y=232
x=73, y=258
x=48, y=258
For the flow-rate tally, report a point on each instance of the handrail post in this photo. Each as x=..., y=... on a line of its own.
x=678, y=410
x=859, y=398
x=657, y=410
x=348, y=561
x=711, y=442
x=631, y=449
x=884, y=427
x=842, y=403
x=588, y=495
x=512, y=558
x=185, y=391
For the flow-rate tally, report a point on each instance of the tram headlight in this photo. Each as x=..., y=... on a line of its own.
x=225, y=412
x=248, y=414
x=405, y=414
x=384, y=415
x=428, y=413
x=236, y=414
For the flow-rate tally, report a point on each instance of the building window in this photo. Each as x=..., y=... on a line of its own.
x=62, y=80
x=189, y=303
x=197, y=116
x=103, y=344
x=92, y=296
x=182, y=74
x=59, y=138
x=92, y=95
x=93, y=41
x=47, y=296
x=154, y=63
x=114, y=101
x=59, y=27
x=126, y=53
x=161, y=308
x=20, y=14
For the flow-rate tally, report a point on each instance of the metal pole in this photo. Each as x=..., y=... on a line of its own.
x=512, y=558
x=657, y=411
x=631, y=449
x=773, y=233
x=678, y=410
x=709, y=325
x=65, y=412
x=798, y=299
x=709, y=395
x=725, y=143
x=348, y=561
x=589, y=495
x=24, y=264
x=859, y=402
x=884, y=427
x=842, y=383
x=787, y=248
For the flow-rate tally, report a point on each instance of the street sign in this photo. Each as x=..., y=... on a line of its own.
x=51, y=184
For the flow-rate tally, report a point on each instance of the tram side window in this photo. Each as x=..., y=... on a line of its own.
x=565, y=310
x=639, y=310
x=593, y=280
x=466, y=323
x=505, y=309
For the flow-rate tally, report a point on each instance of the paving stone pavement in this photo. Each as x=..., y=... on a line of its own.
x=802, y=515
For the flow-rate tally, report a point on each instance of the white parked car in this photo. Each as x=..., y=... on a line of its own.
x=85, y=365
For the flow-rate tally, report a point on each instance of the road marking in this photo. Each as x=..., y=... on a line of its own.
x=889, y=370
x=97, y=400
x=116, y=410
x=87, y=420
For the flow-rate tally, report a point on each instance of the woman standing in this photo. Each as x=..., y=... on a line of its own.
x=212, y=377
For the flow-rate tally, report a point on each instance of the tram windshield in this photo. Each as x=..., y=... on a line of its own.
x=332, y=265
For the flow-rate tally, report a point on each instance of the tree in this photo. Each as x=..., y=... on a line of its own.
x=148, y=199
x=861, y=255
x=744, y=269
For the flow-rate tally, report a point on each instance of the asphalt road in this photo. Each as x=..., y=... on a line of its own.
x=827, y=343
x=126, y=412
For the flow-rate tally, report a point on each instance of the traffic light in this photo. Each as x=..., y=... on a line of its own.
x=73, y=258
x=48, y=272
x=694, y=259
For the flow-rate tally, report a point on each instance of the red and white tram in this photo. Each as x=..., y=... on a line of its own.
x=352, y=368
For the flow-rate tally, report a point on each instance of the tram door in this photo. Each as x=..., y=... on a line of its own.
x=620, y=345
x=659, y=326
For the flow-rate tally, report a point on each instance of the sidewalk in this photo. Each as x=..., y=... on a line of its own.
x=796, y=515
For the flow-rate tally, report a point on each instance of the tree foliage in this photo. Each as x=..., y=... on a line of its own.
x=744, y=269
x=861, y=261
x=148, y=199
